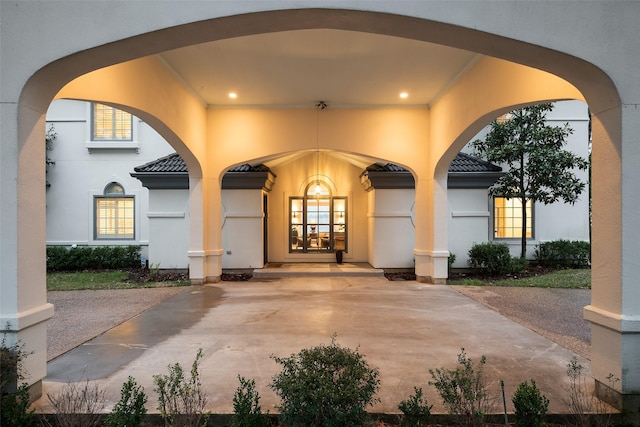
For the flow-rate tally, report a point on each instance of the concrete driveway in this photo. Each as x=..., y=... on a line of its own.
x=403, y=328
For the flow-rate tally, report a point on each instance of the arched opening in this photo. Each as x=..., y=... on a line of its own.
x=596, y=87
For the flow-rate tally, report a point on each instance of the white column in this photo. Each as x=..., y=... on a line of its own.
x=614, y=312
x=24, y=310
x=431, y=251
x=205, y=253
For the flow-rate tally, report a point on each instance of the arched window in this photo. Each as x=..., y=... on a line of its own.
x=114, y=214
x=317, y=221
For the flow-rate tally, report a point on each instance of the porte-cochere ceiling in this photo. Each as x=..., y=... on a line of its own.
x=302, y=67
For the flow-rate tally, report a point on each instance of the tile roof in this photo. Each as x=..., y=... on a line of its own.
x=175, y=163
x=171, y=163
x=462, y=163
x=466, y=163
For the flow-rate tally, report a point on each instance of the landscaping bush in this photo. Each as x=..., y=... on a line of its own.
x=14, y=391
x=464, y=390
x=416, y=410
x=130, y=410
x=77, y=405
x=518, y=265
x=14, y=408
x=564, y=253
x=530, y=406
x=59, y=258
x=584, y=406
x=491, y=259
x=246, y=406
x=182, y=399
x=450, y=261
x=326, y=386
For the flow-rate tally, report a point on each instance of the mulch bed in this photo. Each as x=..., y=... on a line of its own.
x=530, y=271
x=142, y=275
x=236, y=277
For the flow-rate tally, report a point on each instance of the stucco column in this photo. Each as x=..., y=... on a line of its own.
x=196, y=231
x=24, y=310
x=614, y=312
x=205, y=253
x=431, y=252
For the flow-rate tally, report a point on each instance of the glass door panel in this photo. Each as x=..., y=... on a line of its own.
x=339, y=224
x=318, y=224
x=296, y=231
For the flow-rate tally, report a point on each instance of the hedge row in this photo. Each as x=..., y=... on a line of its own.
x=60, y=258
x=564, y=253
x=494, y=259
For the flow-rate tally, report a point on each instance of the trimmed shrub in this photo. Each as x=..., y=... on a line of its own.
x=490, y=259
x=564, y=253
x=59, y=258
x=246, y=406
x=530, y=405
x=518, y=264
x=416, y=410
x=464, y=390
x=327, y=385
x=130, y=410
x=181, y=397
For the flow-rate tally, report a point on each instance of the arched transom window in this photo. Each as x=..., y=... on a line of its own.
x=114, y=214
x=317, y=221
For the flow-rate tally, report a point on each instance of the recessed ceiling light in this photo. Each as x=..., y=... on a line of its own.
x=233, y=95
x=404, y=95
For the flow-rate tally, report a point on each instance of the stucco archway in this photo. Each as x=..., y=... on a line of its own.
x=596, y=87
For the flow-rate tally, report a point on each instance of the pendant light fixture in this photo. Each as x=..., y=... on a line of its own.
x=321, y=105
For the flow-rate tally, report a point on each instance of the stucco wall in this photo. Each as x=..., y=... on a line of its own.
x=169, y=228
x=469, y=222
x=387, y=221
x=560, y=220
x=242, y=230
x=81, y=172
x=471, y=210
x=391, y=227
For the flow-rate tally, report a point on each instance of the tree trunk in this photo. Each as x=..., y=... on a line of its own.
x=523, y=242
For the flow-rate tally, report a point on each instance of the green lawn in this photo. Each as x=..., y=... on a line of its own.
x=572, y=279
x=99, y=280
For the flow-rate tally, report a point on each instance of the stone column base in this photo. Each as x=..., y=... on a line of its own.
x=205, y=266
x=432, y=266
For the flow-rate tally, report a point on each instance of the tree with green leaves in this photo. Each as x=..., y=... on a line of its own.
x=538, y=168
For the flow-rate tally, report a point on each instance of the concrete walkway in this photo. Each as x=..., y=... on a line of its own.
x=403, y=328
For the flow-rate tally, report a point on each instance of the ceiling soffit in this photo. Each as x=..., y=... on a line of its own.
x=299, y=68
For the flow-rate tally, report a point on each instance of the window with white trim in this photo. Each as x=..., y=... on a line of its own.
x=317, y=221
x=110, y=124
x=114, y=214
x=507, y=218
